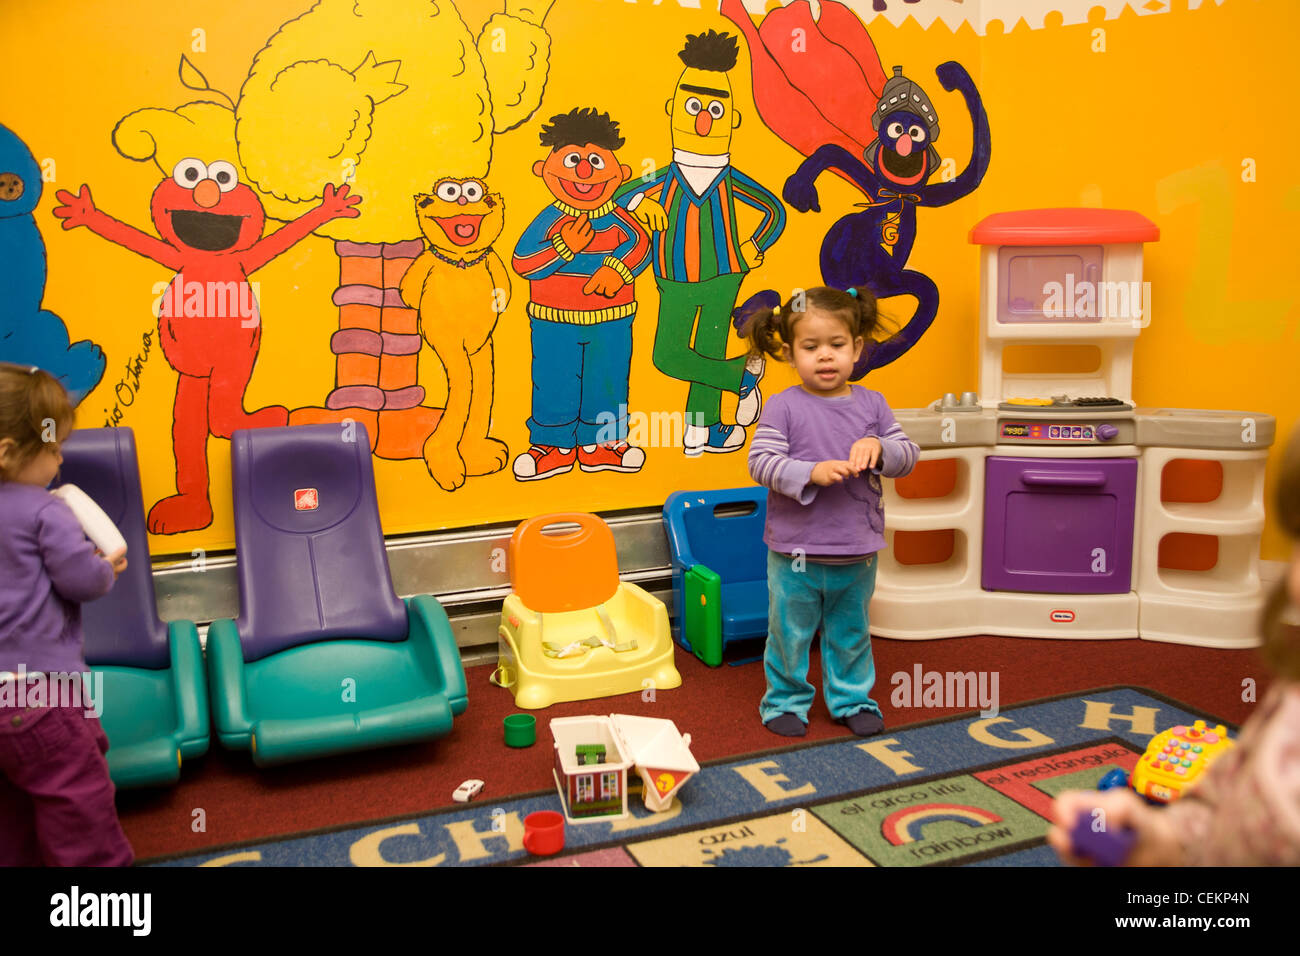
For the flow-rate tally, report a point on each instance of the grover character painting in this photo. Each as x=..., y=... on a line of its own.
x=813, y=99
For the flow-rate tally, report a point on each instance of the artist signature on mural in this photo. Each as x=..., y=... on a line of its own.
x=128, y=386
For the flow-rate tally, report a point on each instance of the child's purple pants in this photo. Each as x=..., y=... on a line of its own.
x=56, y=798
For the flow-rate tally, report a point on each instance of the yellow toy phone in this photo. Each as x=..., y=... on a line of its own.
x=1176, y=759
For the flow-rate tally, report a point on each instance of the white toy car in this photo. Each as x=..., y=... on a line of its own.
x=467, y=791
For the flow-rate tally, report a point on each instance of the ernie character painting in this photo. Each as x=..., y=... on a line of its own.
x=580, y=256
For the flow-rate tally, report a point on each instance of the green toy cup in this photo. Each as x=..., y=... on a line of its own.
x=521, y=730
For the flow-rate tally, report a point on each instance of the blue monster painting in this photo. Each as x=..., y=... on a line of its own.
x=30, y=335
x=828, y=96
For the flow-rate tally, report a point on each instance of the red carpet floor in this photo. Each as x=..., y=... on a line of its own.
x=717, y=706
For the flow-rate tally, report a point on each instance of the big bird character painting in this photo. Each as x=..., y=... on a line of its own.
x=395, y=96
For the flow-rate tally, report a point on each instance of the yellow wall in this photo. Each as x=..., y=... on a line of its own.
x=1159, y=122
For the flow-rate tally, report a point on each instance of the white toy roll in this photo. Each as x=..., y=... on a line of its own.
x=98, y=526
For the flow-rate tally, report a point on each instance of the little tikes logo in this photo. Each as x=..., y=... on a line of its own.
x=1062, y=616
x=77, y=909
x=306, y=499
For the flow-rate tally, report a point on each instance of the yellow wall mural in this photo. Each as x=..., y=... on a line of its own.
x=461, y=225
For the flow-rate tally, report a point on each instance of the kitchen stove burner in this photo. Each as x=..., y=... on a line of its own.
x=1093, y=403
x=1062, y=403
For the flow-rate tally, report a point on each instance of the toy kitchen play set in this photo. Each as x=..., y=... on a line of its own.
x=1046, y=504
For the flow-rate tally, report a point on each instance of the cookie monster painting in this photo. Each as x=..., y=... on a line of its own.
x=30, y=335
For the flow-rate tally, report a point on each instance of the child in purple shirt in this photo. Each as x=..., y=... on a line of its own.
x=56, y=798
x=820, y=448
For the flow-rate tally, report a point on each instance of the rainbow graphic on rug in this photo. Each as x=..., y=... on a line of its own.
x=908, y=826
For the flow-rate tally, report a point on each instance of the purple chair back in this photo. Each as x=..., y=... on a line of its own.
x=312, y=564
x=122, y=628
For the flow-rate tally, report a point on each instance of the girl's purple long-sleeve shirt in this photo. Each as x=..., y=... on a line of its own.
x=47, y=569
x=796, y=431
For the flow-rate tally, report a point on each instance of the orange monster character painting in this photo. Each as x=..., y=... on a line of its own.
x=460, y=286
x=209, y=324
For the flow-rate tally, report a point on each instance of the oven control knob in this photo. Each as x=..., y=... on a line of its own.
x=1107, y=432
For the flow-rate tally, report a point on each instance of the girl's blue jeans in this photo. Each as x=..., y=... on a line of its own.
x=802, y=597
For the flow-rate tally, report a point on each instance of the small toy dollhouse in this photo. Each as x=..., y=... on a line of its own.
x=593, y=754
x=590, y=768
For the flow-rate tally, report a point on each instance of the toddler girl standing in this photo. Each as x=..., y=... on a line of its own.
x=820, y=448
x=56, y=798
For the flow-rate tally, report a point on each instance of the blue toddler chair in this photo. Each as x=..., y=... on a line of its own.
x=719, y=567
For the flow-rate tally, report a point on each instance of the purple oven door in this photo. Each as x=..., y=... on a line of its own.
x=1059, y=526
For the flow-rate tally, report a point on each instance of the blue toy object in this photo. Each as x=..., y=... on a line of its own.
x=1115, y=778
x=1103, y=847
x=29, y=335
x=324, y=658
x=719, y=567
x=155, y=692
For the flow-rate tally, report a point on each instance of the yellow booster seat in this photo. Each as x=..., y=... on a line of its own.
x=570, y=629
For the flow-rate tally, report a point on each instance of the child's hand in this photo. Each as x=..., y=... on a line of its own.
x=865, y=453
x=827, y=473
x=117, y=559
x=1156, y=843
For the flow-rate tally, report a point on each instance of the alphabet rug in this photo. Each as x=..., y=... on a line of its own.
x=971, y=790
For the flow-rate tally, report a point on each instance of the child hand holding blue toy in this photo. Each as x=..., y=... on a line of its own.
x=820, y=449
x=1246, y=809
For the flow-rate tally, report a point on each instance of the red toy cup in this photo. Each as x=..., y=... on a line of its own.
x=544, y=833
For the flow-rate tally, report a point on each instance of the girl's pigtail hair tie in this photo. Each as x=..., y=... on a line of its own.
x=852, y=291
x=757, y=319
